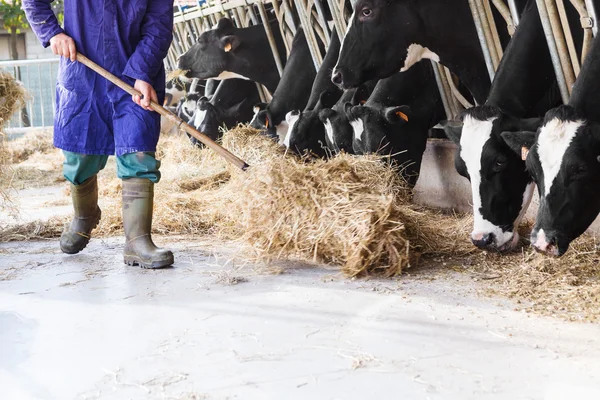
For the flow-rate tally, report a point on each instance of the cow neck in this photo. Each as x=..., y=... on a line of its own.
x=457, y=45
x=261, y=55
x=517, y=86
x=585, y=98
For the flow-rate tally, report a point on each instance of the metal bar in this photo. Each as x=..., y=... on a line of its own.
x=460, y=99
x=480, y=34
x=39, y=69
x=561, y=44
x=514, y=11
x=591, y=9
x=487, y=33
x=321, y=19
x=21, y=63
x=504, y=10
x=493, y=30
x=269, y=32
x=560, y=77
x=337, y=19
x=452, y=103
x=562, y=13
x=443, y=94
x=310, y=34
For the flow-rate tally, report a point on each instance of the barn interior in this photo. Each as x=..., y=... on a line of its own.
x=300, y=276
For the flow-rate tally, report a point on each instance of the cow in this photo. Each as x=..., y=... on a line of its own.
x=397, y=117
x=292, y=92
x=563, y=156
x=231, y=104
x=305, y=130
x=387, y=36
x=524, y=88
x=227, y=52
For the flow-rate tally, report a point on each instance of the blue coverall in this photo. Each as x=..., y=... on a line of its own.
x=94, y=118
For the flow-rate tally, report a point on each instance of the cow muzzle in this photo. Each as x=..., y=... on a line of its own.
x=545, y=243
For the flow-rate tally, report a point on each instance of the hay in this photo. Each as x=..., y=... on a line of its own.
x=178, y=74
x=353, y=212
x=12, y=97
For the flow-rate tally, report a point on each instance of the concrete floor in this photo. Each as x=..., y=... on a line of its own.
x=88, y=327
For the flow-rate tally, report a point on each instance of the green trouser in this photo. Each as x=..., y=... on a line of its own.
x=78, y=168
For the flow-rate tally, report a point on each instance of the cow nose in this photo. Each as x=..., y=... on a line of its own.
x=336, y=77
x=544, y=243
x=483, y=241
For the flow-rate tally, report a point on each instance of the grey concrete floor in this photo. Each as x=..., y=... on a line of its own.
x=88, y=327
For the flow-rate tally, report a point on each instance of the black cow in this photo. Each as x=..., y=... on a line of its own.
x=564, y=160
x=230, y=105
x=524, y=87
x=397, y=117
x=228, y=52
x=292, y=92
x=387, y=36
x=305, y=130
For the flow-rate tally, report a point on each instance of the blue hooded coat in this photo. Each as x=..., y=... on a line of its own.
x=129, y=38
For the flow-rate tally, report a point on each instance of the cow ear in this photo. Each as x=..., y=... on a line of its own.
x=519, y=142
x=230, y=43
x=397, y=115
x=224, y=23
x=347, y=107
x=326, y=100
x=326, y=114
x=453, y=130
x=360, y=95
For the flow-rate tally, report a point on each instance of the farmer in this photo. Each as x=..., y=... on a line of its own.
x=95, y=119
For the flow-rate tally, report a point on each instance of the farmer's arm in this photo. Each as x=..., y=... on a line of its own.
x=146, y=61
x=46, y=27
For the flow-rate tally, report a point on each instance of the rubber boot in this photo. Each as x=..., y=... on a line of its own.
x=138, y=202
x=86, y=218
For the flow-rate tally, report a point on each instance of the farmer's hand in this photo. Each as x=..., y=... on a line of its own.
x=63, y=45
x=149, y=94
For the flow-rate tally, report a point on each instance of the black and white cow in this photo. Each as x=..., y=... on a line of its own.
x=292, y=93
x=564, y=160
x=228, y=52
x=524, y=87
x=305, y=130
x=230, y=105
x=388, y=36
x=397, y=117
x=338, y=128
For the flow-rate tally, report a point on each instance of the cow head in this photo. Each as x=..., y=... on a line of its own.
x=263, y=121
x=214, y=55
x=501, y=187
x=187, y=106
x=306, y=133
x=377, y=42
x=206, y=119
x=564, y=160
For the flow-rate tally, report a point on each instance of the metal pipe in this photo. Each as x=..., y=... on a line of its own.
x=337, y=19
x=310, y=34
x=591, y=9
x=443, y=94
x=560, y=77
x=39, y=69
x=269, y=32
x=506, y=14
x=514, y=12
x=457, y=94
x=562, y=13
x=587, y=23
x=323, y=22
x=561, y=43
x=493, y=30
x=486, y=52
x=487, y=31
x=453, y=103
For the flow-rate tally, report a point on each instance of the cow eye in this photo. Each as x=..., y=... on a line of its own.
x=366, y=12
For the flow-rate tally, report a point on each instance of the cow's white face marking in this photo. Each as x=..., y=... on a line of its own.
x=344, y=41
x=553, y=141
x=474, y=136
x=358, y=128
x=416, y=53
x=282, y=130
x=199, y=117
x=256, y=111
x=291, y=119
x=329, y=130
x=188, y=108
x=229, y=75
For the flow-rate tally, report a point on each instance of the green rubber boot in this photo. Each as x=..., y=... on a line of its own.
x=86, y=218
x=138, y=202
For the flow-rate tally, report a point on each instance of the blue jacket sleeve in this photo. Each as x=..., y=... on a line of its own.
x=157, y=33
x=42, y=20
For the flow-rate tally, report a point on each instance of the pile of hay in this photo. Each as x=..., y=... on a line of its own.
x=12, y=97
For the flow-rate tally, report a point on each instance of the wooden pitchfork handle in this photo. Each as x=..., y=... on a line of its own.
x=211, y=144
